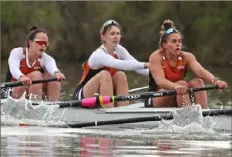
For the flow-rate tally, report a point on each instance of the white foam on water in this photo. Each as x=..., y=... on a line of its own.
x=188, y=122
x=17, y=111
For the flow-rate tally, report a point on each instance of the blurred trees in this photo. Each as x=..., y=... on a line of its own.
x=73, y=27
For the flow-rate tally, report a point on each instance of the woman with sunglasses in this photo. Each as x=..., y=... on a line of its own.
x=32, y=63
x=103, y=70
x=168, y=66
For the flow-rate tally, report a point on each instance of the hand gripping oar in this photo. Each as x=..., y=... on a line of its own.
x=90, y=102
x=215, y=112
x=19, y=83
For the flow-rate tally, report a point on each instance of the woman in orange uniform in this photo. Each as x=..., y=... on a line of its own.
x=33, y=63
x=168, y=66
x=103, y=72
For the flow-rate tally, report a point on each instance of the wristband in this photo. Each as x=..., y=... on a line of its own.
x=215, y=79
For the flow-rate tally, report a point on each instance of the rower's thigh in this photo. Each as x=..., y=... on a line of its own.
x=93, y=85
x=165, y=101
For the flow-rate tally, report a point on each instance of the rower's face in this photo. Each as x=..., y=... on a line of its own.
x=39, y=44
x=112, y=36
x=173, y=44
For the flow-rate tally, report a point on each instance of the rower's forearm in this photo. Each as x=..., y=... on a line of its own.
x=206, y=75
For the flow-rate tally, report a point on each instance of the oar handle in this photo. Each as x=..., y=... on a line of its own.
x=19, y=83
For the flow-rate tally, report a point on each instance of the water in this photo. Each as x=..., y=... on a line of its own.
x=111, y=141
x=36, y=141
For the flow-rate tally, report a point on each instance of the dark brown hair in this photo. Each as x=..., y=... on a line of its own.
x=32, y=34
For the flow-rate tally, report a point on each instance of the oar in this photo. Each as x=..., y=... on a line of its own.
x=169, y=116
x=90, y=102
x=215, y=112
x=19, y=83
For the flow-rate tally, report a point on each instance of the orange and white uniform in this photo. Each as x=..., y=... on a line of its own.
x=172, y=74
x=100, y=59
x=19, y=64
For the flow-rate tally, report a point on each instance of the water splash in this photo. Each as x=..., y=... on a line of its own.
x=15, y=111
x=188, y=121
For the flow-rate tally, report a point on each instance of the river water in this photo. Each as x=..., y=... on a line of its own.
x=33, y=141
x=118, y=140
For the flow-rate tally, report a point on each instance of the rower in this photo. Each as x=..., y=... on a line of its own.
x=103, y=70
x=168, y=66
x=33, y=63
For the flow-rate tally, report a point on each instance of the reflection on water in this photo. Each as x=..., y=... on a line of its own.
x=52, y=144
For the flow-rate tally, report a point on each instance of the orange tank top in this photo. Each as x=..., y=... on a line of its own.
x=176, y=73
x=25, y=69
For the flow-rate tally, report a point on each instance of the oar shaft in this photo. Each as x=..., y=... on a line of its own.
x=90, y=102
x=168, y=116
x=19, y=83
x=158, y=94
x=117, y=121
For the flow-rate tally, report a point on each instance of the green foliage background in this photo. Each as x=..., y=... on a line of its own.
x=73, y=27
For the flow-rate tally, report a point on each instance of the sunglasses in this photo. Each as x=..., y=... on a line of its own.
x=41, y=43
x=168, y=32
x=107, y=24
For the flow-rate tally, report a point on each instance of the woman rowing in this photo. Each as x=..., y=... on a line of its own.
x=103, y=71
x=32, y=63
x=168, y=66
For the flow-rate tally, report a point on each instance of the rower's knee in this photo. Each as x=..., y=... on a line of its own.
x=197, y=82
x=105, y=76
x=120, y=77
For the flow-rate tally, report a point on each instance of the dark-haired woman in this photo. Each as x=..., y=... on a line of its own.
x=103, y=70
x=168, y=66
x=32, y=63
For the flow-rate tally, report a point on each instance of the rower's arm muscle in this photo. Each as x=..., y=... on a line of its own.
x=197, y=69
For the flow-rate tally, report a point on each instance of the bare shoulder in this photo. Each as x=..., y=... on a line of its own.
x=187, y=55
x=156, y=55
